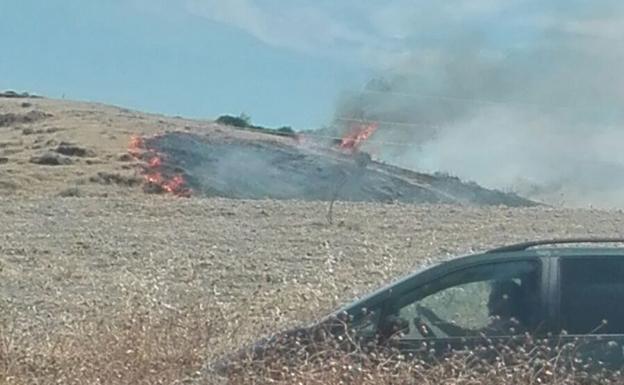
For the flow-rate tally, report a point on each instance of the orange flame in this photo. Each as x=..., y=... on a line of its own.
x=358, y=135
x=155, y=178
x=135, y=146
x=174, y=185
x=152, y=173
x=155, y=162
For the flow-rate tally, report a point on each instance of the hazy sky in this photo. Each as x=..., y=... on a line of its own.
x=282, y=62
x=166, y=57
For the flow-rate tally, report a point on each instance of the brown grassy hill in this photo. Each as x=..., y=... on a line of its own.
x=56, y=147
x=62, y=147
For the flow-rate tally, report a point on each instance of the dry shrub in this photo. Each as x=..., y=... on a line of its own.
x=529, y=362
x=135, y=347
x=147, y=345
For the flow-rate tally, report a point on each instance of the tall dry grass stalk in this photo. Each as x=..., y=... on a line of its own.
x=172, y=347
x=134, y=347
x=526, y=361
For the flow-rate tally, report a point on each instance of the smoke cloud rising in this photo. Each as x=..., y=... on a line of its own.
x=531, y=102
x=521, y=95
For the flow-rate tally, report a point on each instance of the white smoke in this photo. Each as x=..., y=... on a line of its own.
x=521, y=95
x=541, y=114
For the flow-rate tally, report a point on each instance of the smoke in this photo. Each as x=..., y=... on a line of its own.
x=532, y=102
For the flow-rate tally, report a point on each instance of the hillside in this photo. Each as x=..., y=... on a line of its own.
x=54, y=147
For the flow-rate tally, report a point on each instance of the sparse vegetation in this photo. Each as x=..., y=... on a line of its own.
x=244, y=121
x=71, y=149
x=137, y=345
x=144, y=344
x=72, y=192
x=14, y=94
x=13, y=119
x=241, y=121
x=286, y=130
x=108, y=178
x=51, y=159
x=528, y=362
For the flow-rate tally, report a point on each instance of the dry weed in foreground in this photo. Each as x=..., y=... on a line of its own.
x=148, y=346
x=532, y=362
x=136, y=347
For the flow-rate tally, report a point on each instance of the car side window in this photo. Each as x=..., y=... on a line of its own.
x=592, y=295
x=491, y=299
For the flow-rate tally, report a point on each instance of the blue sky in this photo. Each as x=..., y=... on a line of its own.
x=282, y=63
x=164, y=60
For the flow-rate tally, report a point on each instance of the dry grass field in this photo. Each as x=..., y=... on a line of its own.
x=124, y=289
x=113, y=286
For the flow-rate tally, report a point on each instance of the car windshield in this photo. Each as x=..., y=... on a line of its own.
x=493, y=299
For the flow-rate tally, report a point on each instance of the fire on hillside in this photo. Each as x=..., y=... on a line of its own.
x=158, y=178
x=357, y=135
x=244, y=165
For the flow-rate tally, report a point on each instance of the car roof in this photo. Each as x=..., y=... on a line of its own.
x=514, y=251
x=558, y=241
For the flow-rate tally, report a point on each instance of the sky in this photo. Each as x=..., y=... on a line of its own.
x=282, y=63
x=521, y=95
x=166, y=57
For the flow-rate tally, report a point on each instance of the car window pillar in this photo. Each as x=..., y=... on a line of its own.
x=551, y=281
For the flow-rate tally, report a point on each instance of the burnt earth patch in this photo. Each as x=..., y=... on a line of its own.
x=153, y=188
x=246, y=169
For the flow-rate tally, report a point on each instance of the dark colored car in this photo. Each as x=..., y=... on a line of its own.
x=567, y=293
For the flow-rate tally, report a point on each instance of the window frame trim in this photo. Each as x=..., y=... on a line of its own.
x=544, y=270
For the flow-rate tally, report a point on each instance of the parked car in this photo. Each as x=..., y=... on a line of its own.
x=568, y=293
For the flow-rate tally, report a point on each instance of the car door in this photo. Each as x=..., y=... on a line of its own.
x=590, y=301
x=454, y=312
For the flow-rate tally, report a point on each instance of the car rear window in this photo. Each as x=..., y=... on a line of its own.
x=592, y=295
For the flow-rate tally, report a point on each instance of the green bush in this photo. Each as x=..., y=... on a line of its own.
x=286, y=130
x=242, y=120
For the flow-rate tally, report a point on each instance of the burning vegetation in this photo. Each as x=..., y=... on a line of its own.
x=358, y=134
x=234, y=167
x=160, y=176
x=157, y=176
